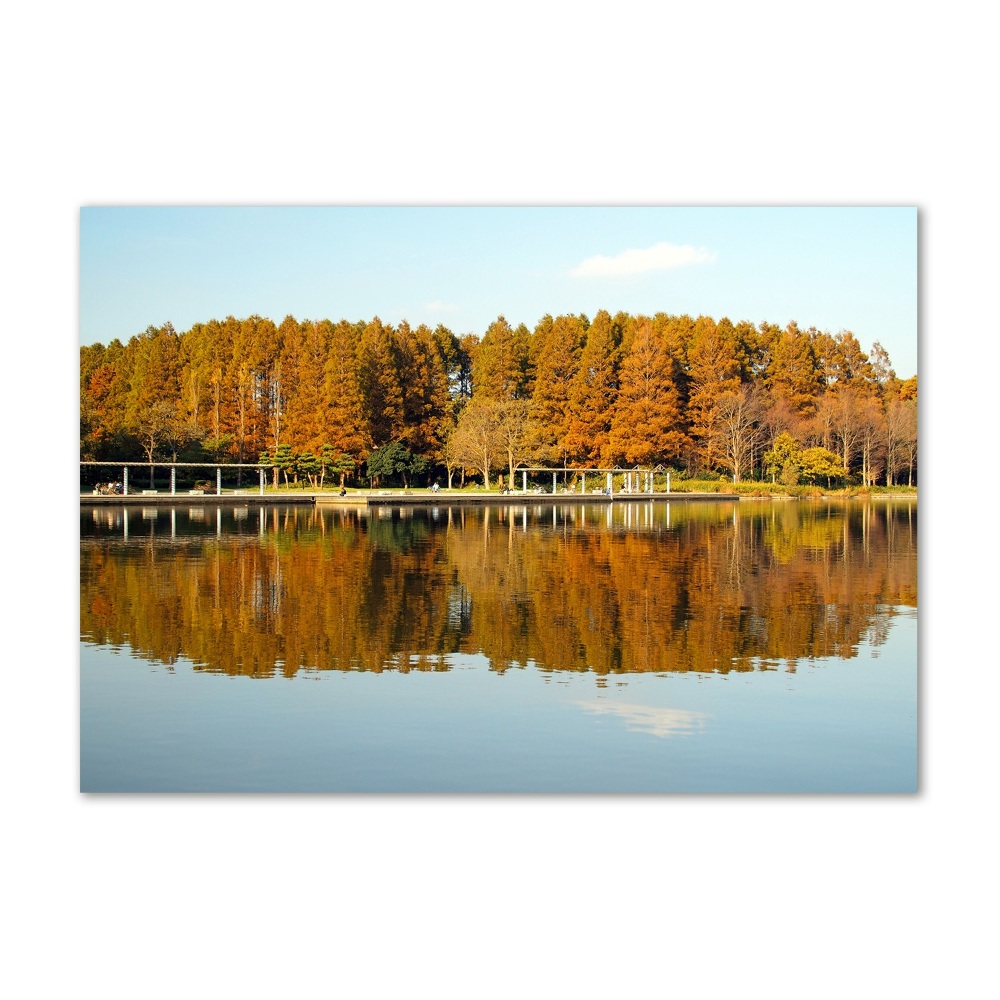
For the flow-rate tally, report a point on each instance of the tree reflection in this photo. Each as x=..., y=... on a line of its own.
x=621, y=589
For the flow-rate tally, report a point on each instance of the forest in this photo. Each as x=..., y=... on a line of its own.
x=322, y=401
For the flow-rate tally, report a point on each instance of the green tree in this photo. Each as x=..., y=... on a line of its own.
x=307, y=465
x=336, y=463
x=395, y=459
x=818, y=463
x=782, y=459
x=281, y=460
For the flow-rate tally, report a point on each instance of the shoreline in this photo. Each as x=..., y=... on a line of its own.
x=404, y=498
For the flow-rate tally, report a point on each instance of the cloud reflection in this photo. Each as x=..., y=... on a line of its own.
x=661, y=722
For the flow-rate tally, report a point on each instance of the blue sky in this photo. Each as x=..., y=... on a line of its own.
x=835, y=268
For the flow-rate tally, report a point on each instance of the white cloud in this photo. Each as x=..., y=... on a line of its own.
x=438, y=306
x=660, y=257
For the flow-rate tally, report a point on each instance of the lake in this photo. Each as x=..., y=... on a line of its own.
x=640, y=646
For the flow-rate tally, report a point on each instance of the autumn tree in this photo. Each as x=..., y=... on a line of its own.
x=103, y=399
x=468, y=350
x=254, y=341
x=154, y=370
x=305, y=402
x=713, y=369
x=594, y=392
x=791, y=372
x=451, y=453
x=378, y=380
x=153, y=365
x=900, y=437
x=345, y=425
x=426, y=404
x=842, y=361
x=883, y=374
x=500, y=366
x=214, y=362
x=625, y=389
x=909, y=439
x=646, y=425
x=455, y=360
x=556, y=346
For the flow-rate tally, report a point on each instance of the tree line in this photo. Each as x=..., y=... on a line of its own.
x=320, y=400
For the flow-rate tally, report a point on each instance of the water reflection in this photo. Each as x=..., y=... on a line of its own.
x=614, y=589
x=659, y=722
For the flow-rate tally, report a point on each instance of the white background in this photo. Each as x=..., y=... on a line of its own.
x=528, y=103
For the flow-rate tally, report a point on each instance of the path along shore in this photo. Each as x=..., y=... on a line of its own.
x=374, y=498
x=420, y=498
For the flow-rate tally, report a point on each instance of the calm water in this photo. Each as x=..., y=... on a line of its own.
x=639, y=647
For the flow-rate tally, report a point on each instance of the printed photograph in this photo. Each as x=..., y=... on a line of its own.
x=498, y=499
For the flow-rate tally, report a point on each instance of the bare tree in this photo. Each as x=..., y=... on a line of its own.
x=737, y=424
x=514, y=427
x=842, y=408
x=871, y=423
x=156, y=424
x=478, y=441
